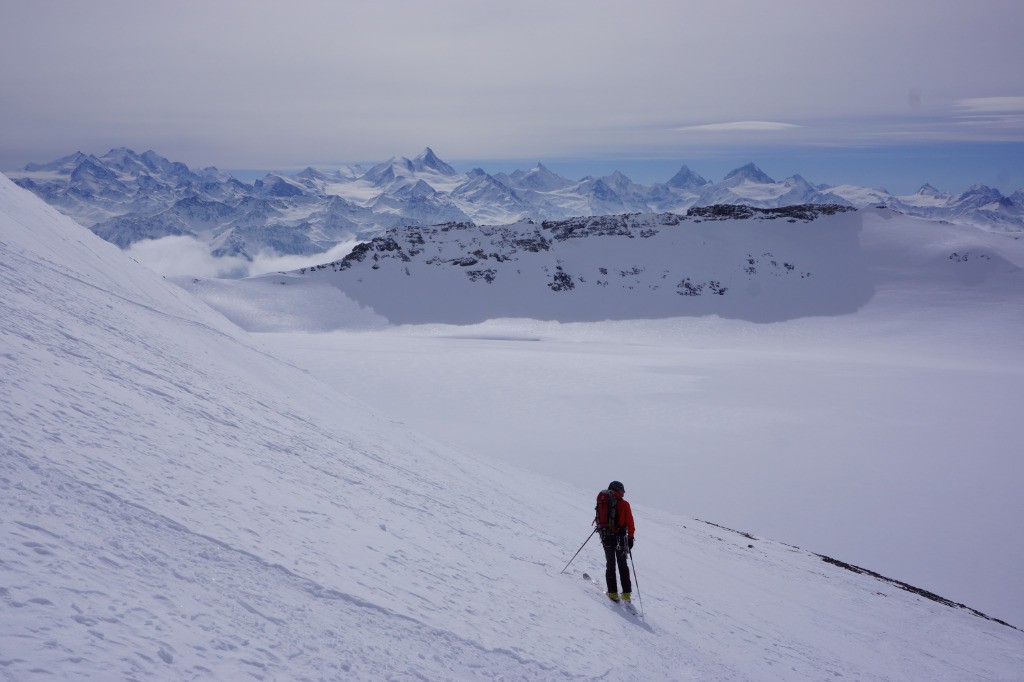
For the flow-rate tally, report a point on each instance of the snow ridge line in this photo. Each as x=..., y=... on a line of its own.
x=878, y=576
x=309, y=586
x=910, y=588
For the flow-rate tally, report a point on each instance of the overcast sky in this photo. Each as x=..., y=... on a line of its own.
x=287, y=84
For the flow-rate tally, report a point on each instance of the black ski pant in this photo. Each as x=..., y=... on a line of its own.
x=615, y=552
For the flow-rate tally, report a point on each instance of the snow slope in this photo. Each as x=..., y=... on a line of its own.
x=180, y=503
x=892, y=388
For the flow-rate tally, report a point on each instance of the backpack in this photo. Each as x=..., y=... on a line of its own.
x=607, y=517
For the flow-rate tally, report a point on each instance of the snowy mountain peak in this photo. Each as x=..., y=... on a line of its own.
x=154, y=160
x=124, y=160
x=619, y=182
x=91, y=169
x=751, y=173
x=988, y=200
x=65, y=163
x=928, y=190
x=603, y=191
x=276, y=185
x=978, y=188
x=540, y=179
x=386, y=173
x=417, y=189
x=686, y=179
x=311, y=173
x=429, y=161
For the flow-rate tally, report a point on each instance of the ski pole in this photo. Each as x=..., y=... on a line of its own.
x=579, y=550
x=637, y=581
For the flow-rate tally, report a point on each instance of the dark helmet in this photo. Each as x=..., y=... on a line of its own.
x=617, y=487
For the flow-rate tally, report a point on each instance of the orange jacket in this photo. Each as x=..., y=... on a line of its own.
x=625, y=515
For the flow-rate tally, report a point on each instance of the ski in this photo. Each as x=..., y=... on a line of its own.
x=628, y=606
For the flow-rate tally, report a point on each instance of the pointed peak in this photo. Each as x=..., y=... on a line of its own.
x=539, y=178
x=686, y=178
x=311, y=173
x=428, y=160
x=541, y=169
x=388, y=171
x=418, y=189
x=750, y=172
x=980, y=191
x=152, y=155
x=798, y=179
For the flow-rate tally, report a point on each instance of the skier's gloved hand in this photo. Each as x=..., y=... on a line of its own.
x=629, y=541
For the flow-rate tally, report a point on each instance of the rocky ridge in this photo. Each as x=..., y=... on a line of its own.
x=730, y=260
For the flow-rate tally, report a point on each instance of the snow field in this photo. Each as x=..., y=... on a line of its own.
x=178, y=501
x=885, y=437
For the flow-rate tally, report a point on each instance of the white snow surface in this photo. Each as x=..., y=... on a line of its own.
x=892, y=388
x=182, y=501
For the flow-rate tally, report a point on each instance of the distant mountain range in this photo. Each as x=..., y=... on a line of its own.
x=125, y=197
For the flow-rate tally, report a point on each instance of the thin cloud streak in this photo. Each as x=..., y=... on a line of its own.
x=991, y=105
x=738, y=126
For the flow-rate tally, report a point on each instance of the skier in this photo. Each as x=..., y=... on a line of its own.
x=617, y=545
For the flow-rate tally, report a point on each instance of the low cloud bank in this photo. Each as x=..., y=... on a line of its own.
x=177, y=256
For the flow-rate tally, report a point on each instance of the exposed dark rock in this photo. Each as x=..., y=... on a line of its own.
x=805, y=212
x=561, y=281
x=910, y=588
